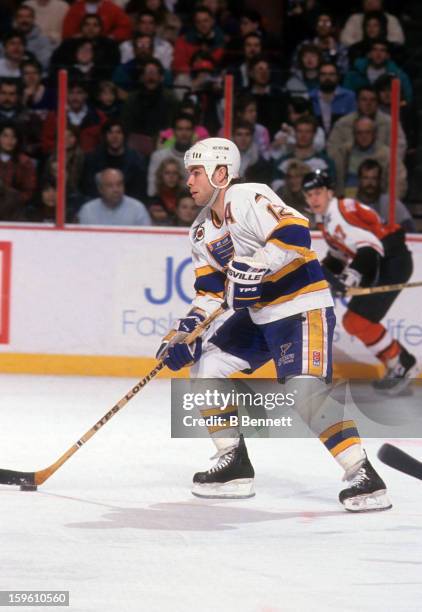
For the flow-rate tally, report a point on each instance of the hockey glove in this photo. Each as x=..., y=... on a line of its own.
x=348, y=278
x=244, y=282
x=176, y=353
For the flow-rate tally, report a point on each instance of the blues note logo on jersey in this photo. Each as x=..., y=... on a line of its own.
x=222, y=250
x=286, y=357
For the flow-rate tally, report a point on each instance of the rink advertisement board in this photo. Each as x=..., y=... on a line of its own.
x=98, y=301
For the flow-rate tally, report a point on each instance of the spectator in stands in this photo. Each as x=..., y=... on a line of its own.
x=271, y=101
x=204, y=84
x=383, y=89
x=367, y=106
x=27, y=122
x=17, y=170
x=168, y=24
x=159, y=215
x=285, y=139
x=114, y=152
x=331, y=50
x=252, y=165
x=169, y=180
x=49, y=17
x=126, y=75
x=204, y=36
x=106, y=50
x=305, y=76
x=303, y=151
x=113, y=207
x=75, y=160
x=11, y=208
x=245, y=109
x=370, y=193
x=45, y=211
x=35, y=41
x=81, y=115
x=249, y=23
x=348, y=157
x=151, y=108
x=291, y=191
x=252, y=47
x=353, y=31
x=366, y=70
x=189, y=107
x=14, y=54
x=183, y=127
x=329, y=100
x=186, y=210
x=146, y=24
x=107, y=100
x=300, y=22
x=374, y=27
x=36, y=97
x=116, y=23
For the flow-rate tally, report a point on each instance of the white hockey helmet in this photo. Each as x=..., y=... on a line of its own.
x=213, y=152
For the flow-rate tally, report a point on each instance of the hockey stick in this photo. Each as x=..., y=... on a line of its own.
x=351, y=291
x=399, y=460
x=31, y=479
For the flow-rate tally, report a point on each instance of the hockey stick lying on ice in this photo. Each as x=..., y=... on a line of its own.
x=32, y=479
x=399, y=460
x=381, y=289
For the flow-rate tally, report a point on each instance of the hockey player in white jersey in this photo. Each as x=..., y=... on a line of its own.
x=364, y=251
x=252, y=250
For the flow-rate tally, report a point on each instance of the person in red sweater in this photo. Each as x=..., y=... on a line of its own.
x=204, y=36
x=116, y=24
x=87, y=120
x=17, y=171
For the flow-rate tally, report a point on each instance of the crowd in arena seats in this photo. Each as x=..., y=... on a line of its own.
x=146, y=81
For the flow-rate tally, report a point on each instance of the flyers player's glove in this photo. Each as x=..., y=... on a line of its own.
x=244, y=282
x=174, y=352
x=348, y=278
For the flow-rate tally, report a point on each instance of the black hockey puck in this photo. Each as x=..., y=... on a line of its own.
x=28, y=487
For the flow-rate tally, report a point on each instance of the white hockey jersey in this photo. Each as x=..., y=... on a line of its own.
x=256, y=219
x=348, y=225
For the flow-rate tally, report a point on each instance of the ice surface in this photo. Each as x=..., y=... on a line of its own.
x=118, y=527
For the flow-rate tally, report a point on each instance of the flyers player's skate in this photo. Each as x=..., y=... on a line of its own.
x=232, y=477
x=399, y=374
x=366, y=491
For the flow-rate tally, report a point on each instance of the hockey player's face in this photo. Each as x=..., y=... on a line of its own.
x=199, y=186
x=318, y=199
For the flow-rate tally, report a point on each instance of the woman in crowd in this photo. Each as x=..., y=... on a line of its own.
x=17, y=170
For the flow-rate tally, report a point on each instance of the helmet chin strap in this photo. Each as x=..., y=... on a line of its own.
x=217, y=188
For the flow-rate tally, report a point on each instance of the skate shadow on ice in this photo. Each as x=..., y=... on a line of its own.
x=194, y=516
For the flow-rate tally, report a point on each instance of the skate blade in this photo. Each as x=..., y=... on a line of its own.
x=241, y=488
x=402, y=384
x=375, y=502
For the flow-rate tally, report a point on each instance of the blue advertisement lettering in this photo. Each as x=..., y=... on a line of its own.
x=172, y=282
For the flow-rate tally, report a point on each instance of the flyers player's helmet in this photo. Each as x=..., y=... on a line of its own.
x=213, y=152
x=318, y=178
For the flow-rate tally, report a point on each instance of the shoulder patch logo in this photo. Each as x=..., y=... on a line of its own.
x=199, y=233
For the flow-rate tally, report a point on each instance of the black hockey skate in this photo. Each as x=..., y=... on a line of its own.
x=232, y=477
x=398, y=377
x=367, y=491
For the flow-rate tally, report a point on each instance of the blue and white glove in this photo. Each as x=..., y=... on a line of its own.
x=244, y=282
x=174, y=352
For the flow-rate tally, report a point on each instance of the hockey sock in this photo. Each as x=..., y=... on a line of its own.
x=222, y=432
x=375, y=336
x=327, y=418
x=342, y=440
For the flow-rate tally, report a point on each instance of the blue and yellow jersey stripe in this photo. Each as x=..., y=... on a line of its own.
x=209, y=281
